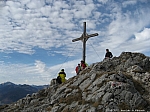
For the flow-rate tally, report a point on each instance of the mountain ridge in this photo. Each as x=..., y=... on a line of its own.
x=10, y=92
x=119, y=84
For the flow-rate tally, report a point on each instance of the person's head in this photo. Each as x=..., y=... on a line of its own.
x=107, y=50
x=82, y=61
x=78, y=64
x=62, y=70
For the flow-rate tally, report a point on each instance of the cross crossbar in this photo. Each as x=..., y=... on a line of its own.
x=87, y=36
x=84, y=37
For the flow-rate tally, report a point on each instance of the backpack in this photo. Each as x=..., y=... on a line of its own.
x=58, y=79
x=86, y=64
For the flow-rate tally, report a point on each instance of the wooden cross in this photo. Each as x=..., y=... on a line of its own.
x=84, y=37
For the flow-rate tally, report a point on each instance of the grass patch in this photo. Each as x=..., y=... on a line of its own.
x=95, y=104
x=49, y=108
x=75, y=97
x=123, y=106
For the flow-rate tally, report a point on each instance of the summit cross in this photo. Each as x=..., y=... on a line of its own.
x=84, y=37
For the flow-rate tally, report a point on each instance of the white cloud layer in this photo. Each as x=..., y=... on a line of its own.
x=49, y=24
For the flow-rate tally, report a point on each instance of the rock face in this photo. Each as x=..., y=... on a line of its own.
x=119, y=84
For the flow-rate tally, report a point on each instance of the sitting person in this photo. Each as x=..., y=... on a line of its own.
x=108, y=54
x=61, y=76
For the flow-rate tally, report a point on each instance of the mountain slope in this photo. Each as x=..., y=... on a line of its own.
x=119, y=84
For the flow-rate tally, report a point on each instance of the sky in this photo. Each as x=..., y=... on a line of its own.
x=36, y=35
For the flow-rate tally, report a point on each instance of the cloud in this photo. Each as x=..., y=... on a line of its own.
x=143, y=35
x=34, y=74
x=38, y=74
x=51, y=25
x=40, y=66
x=46, y=26
x=20, y=73
x=103, y=1
x=123, y=26
x=126, y=3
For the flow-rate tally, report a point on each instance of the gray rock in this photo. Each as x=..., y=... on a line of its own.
x=128, y=96
x=107, y=97
x=85, y=84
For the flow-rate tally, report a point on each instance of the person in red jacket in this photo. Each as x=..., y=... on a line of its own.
x=83, y=65
x=78, y=69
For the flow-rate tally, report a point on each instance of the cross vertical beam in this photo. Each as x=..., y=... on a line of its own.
x=84, y=41
x=84, y=37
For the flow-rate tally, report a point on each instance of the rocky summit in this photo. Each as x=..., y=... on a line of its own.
x=120, y=84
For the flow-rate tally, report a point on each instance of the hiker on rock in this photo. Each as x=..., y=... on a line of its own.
x=83, y=65
x=108, y=54
x=78, y=69
x=62, y=76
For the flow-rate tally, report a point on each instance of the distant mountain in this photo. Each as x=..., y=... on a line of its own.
x=10, y=92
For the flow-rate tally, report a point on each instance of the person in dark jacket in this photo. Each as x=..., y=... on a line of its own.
x=108, y=54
